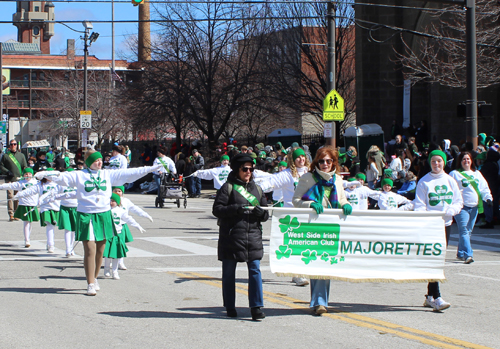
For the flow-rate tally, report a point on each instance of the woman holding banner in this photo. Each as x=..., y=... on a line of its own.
x=322, y=188
x=475, y=190
x=437, y=191
x=240, y=233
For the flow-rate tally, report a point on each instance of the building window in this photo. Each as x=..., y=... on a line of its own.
x=36, y=30
x=37, y=8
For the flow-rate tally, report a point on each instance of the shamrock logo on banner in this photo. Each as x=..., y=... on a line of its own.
x=99, y=183
x=116, y=219
x=308, y=241
x=441, y=195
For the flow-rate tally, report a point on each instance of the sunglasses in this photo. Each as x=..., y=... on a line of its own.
x=327, y=161
x=13, y=143
x=246, y=169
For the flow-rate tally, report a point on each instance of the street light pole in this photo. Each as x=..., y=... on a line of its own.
x=471, y=103
x=85, y=54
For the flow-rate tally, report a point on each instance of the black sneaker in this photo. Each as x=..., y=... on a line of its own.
x=257, y=314
x=231, y=313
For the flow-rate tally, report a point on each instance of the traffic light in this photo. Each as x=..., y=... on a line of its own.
x=137, y=2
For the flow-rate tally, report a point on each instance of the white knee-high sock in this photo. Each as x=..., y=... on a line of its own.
x=115, y=264
x=69, y=238
x=27, y=230
x=107, y=263
x=50, y=235
x=120, y=261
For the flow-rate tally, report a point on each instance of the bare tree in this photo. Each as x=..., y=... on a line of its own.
x=440, y=55
x=297, y=58
x=220, y=77
x=109, y=118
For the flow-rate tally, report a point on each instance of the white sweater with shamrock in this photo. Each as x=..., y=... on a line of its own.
x=469, y=194
x=20, y=186
x=217, y=174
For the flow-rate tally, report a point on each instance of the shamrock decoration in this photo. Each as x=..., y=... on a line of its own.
x=333, y=260
x=288, y=224
x=99, y=184
x=116, y=219
x=283, y=252
x=441, y=194
x=308, y=256
x=342, y=258
x=325, y=256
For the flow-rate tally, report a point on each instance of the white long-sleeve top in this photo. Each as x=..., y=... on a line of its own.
x=38, y=190
x=121, y=217
x=438, y=192
x=129, y=206
x=390, y=201
x=20, y=186
x=217, y=174
x=96, y=200
x=118, y=162
x=68, y=197
x=168, y=162
x=469, y=194
x=358, y=197
x=286, y=182
x=372, y=172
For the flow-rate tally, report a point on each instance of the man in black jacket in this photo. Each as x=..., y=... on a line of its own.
x=240, y=233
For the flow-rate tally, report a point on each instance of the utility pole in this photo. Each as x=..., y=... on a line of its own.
x=331, y=63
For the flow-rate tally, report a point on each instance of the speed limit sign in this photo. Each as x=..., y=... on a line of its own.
x=85, y=119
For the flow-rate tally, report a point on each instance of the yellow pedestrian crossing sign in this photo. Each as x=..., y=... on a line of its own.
x=333, y=107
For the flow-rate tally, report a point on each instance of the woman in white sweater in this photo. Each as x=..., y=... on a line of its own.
x=94, y=219
x=437, y=191
x=474, y=190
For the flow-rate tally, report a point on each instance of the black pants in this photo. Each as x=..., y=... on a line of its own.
x=433, y=287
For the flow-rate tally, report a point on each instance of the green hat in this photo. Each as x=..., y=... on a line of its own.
x=298, y=152
x=360, y=175
x=283, y=163
x=28, y=170
x=116, y=198
x=295, y=145
x=92, y=158
x=436, y=152
x=352, y=179
x=489, y=141
x=224, y=157
x=262, y=154
x=69, y=169
x=387, y=181
x=481, y=156
x=284, y=152
x=253, y=155
x=481, y=138
x=49, y=169
x=121, y=187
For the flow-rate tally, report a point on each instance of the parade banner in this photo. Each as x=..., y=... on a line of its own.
x=366, y=246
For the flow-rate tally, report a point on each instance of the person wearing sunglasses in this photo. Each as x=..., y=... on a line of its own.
x=286, y=181
x=318, y=189
x=240, y=233
x=12, y=164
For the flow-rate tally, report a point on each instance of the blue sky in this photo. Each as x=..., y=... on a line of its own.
x=80, y=11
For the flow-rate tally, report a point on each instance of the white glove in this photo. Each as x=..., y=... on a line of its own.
x=150, y=218
x=142, y=230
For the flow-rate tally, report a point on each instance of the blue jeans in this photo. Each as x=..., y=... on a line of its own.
x=465, y=223
x=157, y=179
x=255, y=293
x=320, y=292
x=197, y=186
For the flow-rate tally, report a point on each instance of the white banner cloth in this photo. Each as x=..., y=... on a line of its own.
x=366, y=246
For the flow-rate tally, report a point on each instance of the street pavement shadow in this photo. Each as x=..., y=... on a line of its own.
x=205, y=313
x=60, y=277
x=371, y=308
x=41, y=290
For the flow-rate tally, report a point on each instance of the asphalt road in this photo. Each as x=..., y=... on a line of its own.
x=170, y=296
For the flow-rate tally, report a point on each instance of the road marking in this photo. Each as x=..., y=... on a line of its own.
x=197, y=249
x=352, y=318
x=479, y=277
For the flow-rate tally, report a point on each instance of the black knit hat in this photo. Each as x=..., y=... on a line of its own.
x=239, y=160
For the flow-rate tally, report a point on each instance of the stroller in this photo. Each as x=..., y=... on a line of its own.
x=171, y=188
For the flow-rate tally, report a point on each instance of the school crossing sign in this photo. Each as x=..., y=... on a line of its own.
x=333, y=107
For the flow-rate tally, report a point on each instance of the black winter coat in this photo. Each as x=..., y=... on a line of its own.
x=240, y=235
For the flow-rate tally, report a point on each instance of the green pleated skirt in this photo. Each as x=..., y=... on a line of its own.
x=102, y=224
x=67, y=218
x=127, y=234
x=115, y=247
x=49, y=217
x=22, y=213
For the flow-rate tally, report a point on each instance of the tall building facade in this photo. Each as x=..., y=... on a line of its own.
x=31, y=19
